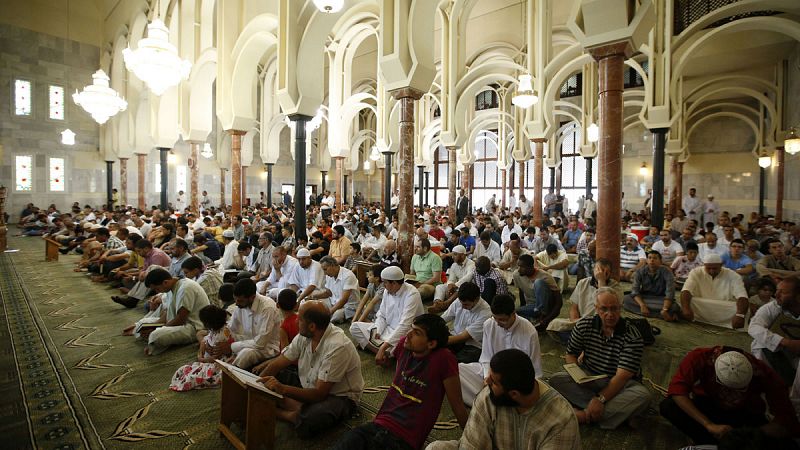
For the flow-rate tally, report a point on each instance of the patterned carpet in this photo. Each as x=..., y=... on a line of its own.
x=72, y=381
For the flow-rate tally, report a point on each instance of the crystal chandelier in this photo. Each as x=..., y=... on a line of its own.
x=792, y=142
x=99, y=100
x=329, y=6
x=155, y=61
x=526, y=96
x=764, y=161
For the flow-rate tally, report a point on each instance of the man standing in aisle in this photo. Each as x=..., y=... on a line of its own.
x=692, y=205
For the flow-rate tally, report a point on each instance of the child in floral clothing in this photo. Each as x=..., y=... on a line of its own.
x=204, y=373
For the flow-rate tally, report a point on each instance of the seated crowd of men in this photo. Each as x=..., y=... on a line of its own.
x=472, y=342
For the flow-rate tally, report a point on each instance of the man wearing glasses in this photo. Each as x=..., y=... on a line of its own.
x=611, y=347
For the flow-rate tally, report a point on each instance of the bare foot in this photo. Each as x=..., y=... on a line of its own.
x=128, y=331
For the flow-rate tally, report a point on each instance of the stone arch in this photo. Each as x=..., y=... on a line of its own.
x=201, y=96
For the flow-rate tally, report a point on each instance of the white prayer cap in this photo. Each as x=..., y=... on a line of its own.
x=134, y=230
x=392, y=273
x=733, y=370
x=712, y=258
x=459, y=249
x=228, y=234
x=303, y=253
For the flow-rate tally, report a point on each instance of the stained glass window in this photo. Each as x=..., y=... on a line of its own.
x=56, y=102
x=56, y=171
x=24, y=172
x=180, y=178
x=22, y=97
x=158, y=177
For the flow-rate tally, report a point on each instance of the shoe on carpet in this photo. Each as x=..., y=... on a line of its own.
x=63, y=250
x=128, y=302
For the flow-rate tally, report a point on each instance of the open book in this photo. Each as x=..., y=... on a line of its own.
x=246, y=378
x=579, y=376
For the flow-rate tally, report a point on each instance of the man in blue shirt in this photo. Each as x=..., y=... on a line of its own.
x=736, y=260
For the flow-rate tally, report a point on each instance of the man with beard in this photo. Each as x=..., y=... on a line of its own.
x=329, y=370
x=771, y=327
x=515, y=400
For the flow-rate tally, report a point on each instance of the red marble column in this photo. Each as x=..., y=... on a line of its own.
x=194, y=176
x=123, y=181
x=538, y=180
x=222, y=188
x=141, y=160
x=521, y=180
x=236, y=171
x=405, y=211
x=512, y=173
x=673, y=192
x=504, y=174
x=244, y=186
x=610, y=60
x=452, y=181
x=339, y=186
x=779, y=180
x=679, y=182
x=466, y=182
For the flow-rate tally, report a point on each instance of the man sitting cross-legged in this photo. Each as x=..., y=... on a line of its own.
x=426, y=372
x=182, y=300
x=515, y=400
x=503, y=330
x=468, y=315
x=461, y=271
x=400, y=304
x=718, y=389
x=308, y=277
x=340, y=291
x=329, y=369
x=653, y=289
x=715, y=295
x=539, y=293
x=611, y=346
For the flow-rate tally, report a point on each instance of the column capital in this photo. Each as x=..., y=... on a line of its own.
x=122, y=159
x=539, y=140
x=406, y=92
x=236, y=132
x=110, y=162
x=659, y=130
x=299, y=117
x=621, y=48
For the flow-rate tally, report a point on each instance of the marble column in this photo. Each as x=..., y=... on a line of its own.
x=344, y=190
x=324, y=181
x=538, y=180
x=679, y=188
x=427, y=187
x=222, y=188
x=339, y=185
x=421, y=186
x=779, y=180
x=123, y=181
x=236, y=171
x=512, y=176
x=300, y=121
x=589, y=183
x=163, y=153
x=521, y=180
x=452, y=182
x=673, y=191
x=762, y=189
x=269, y=184
x=383, y=189
x=611, y=59
x=244, y=186
x=109, y=184
x=387, y=186
x=194, y=176
x=141, y=160
x=504, y=181
x=405, y=210
x=553, y=179
x=657, y=202
x=466, y=181
x=3, y=228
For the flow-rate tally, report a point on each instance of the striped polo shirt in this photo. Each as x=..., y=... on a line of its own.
x=628, y=259
x=604, y=355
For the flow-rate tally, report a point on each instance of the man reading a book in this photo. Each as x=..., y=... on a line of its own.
x=329, y=369
x=612, y=347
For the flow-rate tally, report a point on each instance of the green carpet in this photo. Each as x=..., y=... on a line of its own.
x=74, y=382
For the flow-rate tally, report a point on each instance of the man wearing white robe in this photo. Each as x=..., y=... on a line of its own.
x=462, y=270
x=255, y=324
x=715, y=295
x=710, y=211
x=487, y=247
x=283, y=267
x=308, y=278
x=693, y=205
x=504, y=330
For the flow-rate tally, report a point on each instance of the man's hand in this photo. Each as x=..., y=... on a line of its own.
x=667, y=316
x=687, y=314
x=718, y=430
x=595, y=410
x=793, y=345
x=381, y=358
x=737, y=322
x=273, y=384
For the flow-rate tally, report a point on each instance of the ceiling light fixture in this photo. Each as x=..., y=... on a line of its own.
x=207, y=153
x=99, y=100
x=643, y=170
x=68, y=137
x=156, y=61
x=792, y=142
x=764, y=161
x=525, y=96
x=593, y=133
x=375, y=154
x=329, y=6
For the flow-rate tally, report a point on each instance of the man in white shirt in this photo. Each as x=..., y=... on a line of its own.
x=329, y=370
x=461, y=271
x=692, y=205
x=488, y=248
x=512, y=202
x=509, y=229
x=401, y=303
x=468, y=315
x=555, y=262
x=327, y=204
x=631, y=258
x=715, y=295
x=255, y=324
x=771, y=341
x=711, y=245
x=524, y=205
x=205, y=201
x=340, y=292
x=375, y=241
x=180, y=202
x=283, y=267
x=504, y=330
x=668, y=248
x=308, y=277
x=589, y=207
x=710, y=210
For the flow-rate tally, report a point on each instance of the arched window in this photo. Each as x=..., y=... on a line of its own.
x=573, y=169
x=486, y=100
x=486, y=177
x=440, y=176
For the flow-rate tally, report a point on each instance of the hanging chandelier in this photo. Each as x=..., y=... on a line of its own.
x=792, y=142
x=593, y=133
x=375, y=155
x=99, y=100
x=329, y=6
x=68, y=137
x=206, y=152
x=526, y=96
x=156, y=61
